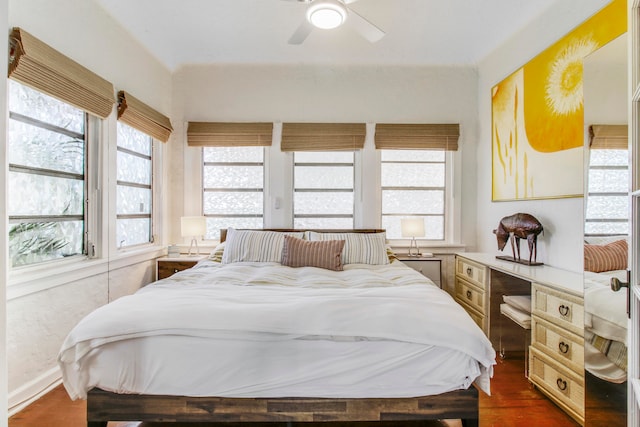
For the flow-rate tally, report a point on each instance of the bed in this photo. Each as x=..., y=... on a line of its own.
x=605, y=310
x=282, y=326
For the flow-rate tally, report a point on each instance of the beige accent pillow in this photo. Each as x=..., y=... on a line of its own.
x=303, y=253
x=216, y=253
x=599, y=258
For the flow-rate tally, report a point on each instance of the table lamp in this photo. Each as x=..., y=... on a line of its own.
x=412, y=227
x=193, y=226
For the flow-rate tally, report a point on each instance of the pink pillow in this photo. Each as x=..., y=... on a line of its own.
x=599, y=258
x=304, y=253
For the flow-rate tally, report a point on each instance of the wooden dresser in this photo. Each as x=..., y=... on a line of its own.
x=556, y=349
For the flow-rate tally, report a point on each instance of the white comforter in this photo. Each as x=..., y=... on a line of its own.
x=271, y=302
x=605, y=310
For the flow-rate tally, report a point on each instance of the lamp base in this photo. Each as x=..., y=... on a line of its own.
x=194, y=242
x=413, y=248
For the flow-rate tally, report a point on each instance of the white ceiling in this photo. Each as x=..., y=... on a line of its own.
x=418, y=32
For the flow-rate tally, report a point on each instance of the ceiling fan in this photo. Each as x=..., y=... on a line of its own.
x=328, y=14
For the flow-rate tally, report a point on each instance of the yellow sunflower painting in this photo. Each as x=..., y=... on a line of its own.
x=538, y=115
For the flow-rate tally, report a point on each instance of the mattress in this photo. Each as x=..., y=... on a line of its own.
x=264, y=330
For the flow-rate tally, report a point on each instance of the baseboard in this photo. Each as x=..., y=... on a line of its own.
x=33, y=390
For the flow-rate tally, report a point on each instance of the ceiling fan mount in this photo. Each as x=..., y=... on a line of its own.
x=329, y=14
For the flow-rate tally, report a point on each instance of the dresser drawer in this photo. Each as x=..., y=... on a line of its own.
x=564, y=386
x=563, y=346
x=564, y=310
x=474, y=273
x=470, y=295
x=167, y=268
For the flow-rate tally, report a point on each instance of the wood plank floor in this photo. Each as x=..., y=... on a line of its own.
x=514, y=402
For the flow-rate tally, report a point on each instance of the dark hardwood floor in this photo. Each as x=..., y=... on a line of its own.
x=514, y=402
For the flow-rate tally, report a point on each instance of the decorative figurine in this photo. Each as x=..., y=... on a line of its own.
x=519, y=226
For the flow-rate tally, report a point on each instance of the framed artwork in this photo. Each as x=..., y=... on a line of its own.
x=538, y=116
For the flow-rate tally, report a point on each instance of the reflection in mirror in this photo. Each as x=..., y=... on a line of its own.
x=605, y=233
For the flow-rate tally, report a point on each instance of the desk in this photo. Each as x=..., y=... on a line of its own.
x=556, y=353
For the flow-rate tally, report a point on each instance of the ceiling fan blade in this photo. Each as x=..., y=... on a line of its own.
x=301, y=33
x=368, y=30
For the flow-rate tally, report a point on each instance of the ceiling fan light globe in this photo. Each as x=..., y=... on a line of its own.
x=326, y=14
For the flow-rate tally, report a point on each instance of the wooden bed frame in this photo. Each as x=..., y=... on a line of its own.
x=103, y=406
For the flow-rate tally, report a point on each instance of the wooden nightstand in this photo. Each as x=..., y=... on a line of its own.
x=430, y=267
x=165, y=267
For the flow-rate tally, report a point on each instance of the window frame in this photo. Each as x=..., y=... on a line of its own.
x=204, y=190
x=448, y=220
x=589, y=194
x=153, y=187
x=87, y=200
x=354, y=189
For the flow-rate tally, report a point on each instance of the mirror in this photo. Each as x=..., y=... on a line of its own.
x=606, y=185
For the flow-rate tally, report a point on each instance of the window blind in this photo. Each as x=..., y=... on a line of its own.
x=322, y=136
x=391, y=136
x=38, y=65
x=609, y=137
x=140, y=116
x=230, y=134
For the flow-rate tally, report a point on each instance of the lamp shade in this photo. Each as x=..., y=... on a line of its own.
x=193, y=226
x=412, y=227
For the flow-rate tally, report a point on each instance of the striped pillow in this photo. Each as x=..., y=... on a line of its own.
x=599, y=258
x=254, y=246
x=359, y=248
x=303, y=253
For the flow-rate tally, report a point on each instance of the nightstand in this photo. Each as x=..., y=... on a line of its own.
x=430, y=267
x=167, y=266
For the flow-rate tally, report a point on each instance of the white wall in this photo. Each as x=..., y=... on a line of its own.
x=561, y=244
x=303, y=93
x=40, y=312
x=605, y=85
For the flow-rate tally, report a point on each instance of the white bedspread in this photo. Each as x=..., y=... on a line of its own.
x=271, y=303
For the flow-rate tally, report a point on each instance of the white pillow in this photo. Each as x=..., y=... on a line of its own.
x=254, y=246
x=359, y=248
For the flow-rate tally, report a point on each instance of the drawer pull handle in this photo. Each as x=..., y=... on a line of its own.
x=563, y=347
x=469, y=271
x=175, y=270
x=562, y=384
x=563, y=310
x=469, y=294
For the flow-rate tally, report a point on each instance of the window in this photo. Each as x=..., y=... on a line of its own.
x=233, y=184
x=47, y=187
x=134, y=187
x=413, y=185
x=323, y=189
x=607, y=209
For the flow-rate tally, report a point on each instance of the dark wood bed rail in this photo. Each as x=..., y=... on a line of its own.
x=105, y=406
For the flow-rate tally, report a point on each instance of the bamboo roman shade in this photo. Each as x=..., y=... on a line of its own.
x=323, y=136
x=609, y=137
x=230, y=134
x=38, y=65
x=140, y=116
x=391, y=136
